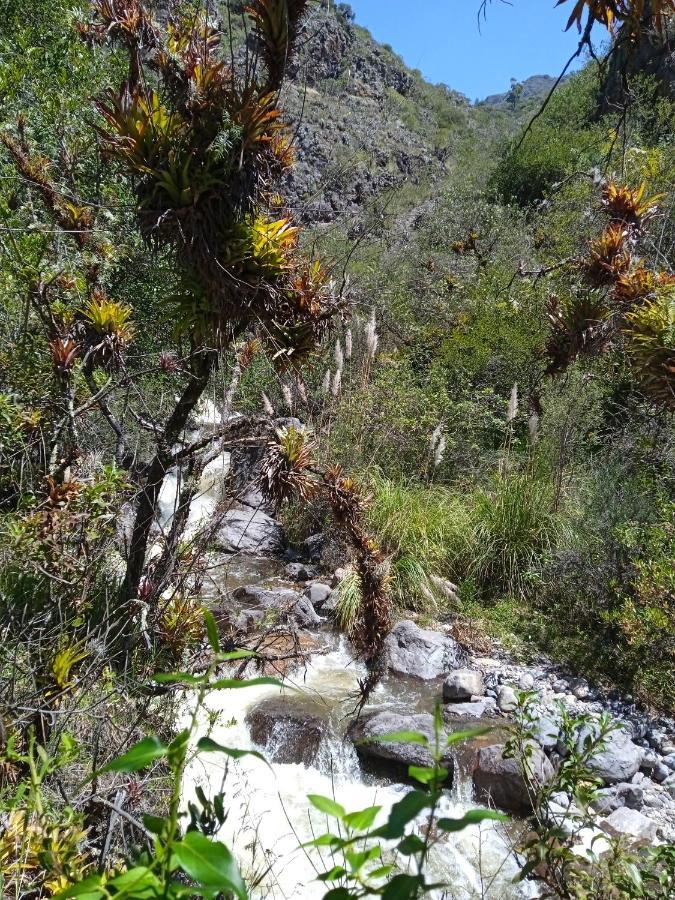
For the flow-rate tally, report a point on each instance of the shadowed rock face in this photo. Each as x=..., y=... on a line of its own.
x=501, y=781
x=425, y=654
x=289, y=733
x=393, y=758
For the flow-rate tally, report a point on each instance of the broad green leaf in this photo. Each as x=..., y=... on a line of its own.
x=410, y=844
x=207, y=745
x=233, y=655
x=212, y=631
x=89, y=889
x=338, y=894
x=178, y=678
x=426, y=774
x=362, y=820
x=234, y=683
x=358, y=858
x=209, y=863
x=140, y=883
x=138, y=757
x=402, y=887
x=473, y=817
x=326, y=805
x=399, y=737
x=326, y=840
x=154, y=824
x=402, y=813
x=381, y=872
x=458, y=736
x=335, y=873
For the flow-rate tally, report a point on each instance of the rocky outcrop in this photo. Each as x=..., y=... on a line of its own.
x=282, y=606
x=502, y=782
x=288, y=733
x=393, y=757
x=425, y=654
x=248, y=530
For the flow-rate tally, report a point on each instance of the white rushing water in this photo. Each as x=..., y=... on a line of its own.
x=269, y=816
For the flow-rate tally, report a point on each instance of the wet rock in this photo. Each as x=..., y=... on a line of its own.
x=312, y=547
x=462, y=685
x=393, y=757
x=283, y=605
x=620, y=758
x=631, y=825
x=298, y=571
x=288, y=734
x=507, y=700
x=246, y=530
x=660, y=772
x=502, y=782
x=422, y=653
x=482, y=708
x=317, y=594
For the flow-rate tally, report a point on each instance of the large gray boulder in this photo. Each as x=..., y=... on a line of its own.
x=480, y=708
x=287, y=732
x=502, y=781
x=247, y=530
x=618, y=760
x=462, y=685
x=393, y=757
x=630, y=825
x=412, y=650
x=281, y=606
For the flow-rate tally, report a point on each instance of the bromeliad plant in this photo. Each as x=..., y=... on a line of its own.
x=621, y=304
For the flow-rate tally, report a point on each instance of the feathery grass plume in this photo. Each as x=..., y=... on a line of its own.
x=337, y=383
x=349, y=348
x=371, y=336
x=302, y=391
x=287, y=395
x=267, y=406
x=325, y=385
x=435, y=437
x=440, y=451
x=339, y=356
x=512, y=410
x=533, y=428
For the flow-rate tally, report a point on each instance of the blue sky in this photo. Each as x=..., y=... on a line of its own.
x=441, y=38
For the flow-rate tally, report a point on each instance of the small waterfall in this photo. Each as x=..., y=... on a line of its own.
x=270, y=817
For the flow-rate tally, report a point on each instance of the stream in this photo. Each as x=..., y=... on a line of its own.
x=269, y=816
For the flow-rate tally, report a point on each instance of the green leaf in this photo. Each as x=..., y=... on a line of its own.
x=358, y=858
x=212, y=631
x=154, y=824
x=234, y=683
x=473, y=817
x=402, y=813
x=402, y=887
x=427, y=774
x=326, y=840
x=381, y=872
x=410, y=844
x=458, y=736
x=234, y=655
x=138, y=757
x=399, y=737
x=89, y=889
x=362, y=820
x=140, y=883
x=332, y=875
x=207, y=745
x=326, y=805
x=209, y=863
x=338, y=894
x=178, y=677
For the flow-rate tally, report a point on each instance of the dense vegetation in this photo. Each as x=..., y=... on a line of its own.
x=482, y=345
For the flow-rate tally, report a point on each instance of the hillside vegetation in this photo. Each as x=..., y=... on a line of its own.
x=439, y=335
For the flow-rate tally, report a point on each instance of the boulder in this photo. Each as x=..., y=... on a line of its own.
x=480, y=708
x=283, y=605
x=507, y=700
x=618, y=760
x=288, y=733
x=611, y=798
x=546, y=730
x=246, y=530
x=422, y=653
x=393, y=757
x=463, y=684
x=317, y=594
x=631, y=825
x=298, y=571
x=502, y=782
